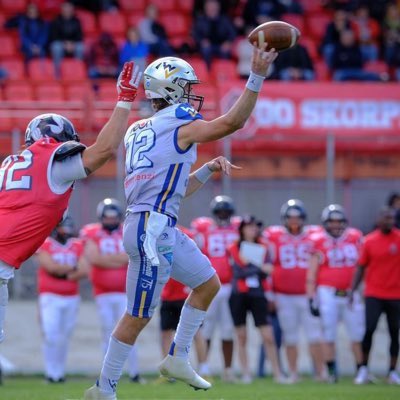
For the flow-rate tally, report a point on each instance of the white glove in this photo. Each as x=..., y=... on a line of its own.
x=155, y=226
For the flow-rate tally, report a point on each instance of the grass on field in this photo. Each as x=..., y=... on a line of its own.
x=22, y=388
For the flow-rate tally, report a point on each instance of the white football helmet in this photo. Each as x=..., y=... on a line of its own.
x=167, y=78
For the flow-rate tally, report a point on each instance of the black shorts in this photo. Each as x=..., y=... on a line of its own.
x=241, y=303
x=170, y=312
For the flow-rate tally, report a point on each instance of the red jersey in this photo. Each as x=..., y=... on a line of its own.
x=338, y=257
x=29, y=209
x=381, y=255
x=214, y=243
x=106, y=280
x=66, y=254
x=290, y=255
x=174, y=291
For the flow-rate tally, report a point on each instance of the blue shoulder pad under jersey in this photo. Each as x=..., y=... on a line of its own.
x=187, y=112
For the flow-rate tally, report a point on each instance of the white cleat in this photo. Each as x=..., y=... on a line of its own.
x=180, y=368
x=393, y=378
x=94, y=393
x=362, y=377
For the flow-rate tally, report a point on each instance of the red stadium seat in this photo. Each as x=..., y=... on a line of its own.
x=41, y=69
x=50, y=92
x=88, y=22
x=112, y=22
x=8, y=47
x=14, y=67
x=294, y=19
x=310, y=45
x=18, y=91
x=311, y=6
x=175, y=24
x=13, y=6
x=200, y=68
x=134, y=19
x=210, y=96
x=322, y=71
x=164, y=5
x=316, y=25
x=2, y=21
x=185, y=6
x=133, y=5
x=107, y=91
x=379, y=67
x=78, y=92
x=6, y=125
x=224, y=70
x=73, y=69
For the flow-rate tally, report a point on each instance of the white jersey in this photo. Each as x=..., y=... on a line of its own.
x=157, y=170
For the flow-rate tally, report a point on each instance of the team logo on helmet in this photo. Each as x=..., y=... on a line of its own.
x=170, y=70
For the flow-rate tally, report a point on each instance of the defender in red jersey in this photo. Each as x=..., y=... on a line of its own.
x=109, y=263
x=36, y=184
x=380, y=262
x=290, y=246
x=215, y=241
x=332, y=266
x=61, y=266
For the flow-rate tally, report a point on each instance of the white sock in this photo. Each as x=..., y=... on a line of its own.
x=189, y=323
x=3, y=306
x=113, y=363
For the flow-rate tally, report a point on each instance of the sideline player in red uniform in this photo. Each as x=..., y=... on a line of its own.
x=332, y=266
x=380, y=262
x=36, y=184
x=109, y=263
x=291, y=246
x=215, y=241
x=61, y=266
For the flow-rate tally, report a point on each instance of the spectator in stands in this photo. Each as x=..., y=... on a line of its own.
x=254, y=10
x=295, y=65
x=213, y=33
x=103, y=58
x=248, y=295
x=340, y=23
x=367, y=32
x=97, y=6
x=66, y=35
x=134, y=49
x=154, y=34
x=391, y=37
x=380, y=263
x=347, y=60
x=33, y=33
x=394, y=203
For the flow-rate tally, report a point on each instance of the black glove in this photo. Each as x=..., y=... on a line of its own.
x=314, y=310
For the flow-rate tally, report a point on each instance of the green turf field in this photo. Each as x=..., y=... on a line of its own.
x=261, y=389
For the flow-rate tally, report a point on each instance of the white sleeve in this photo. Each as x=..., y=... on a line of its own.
x=65, y=172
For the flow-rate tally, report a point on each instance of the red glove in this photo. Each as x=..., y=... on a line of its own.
x=128, y=82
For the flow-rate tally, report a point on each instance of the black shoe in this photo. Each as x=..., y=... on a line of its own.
x=52, y=380
x=1, y=376
x=138, y=379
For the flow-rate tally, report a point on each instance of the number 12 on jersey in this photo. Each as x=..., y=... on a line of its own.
x=16, y=163
x=137, y=145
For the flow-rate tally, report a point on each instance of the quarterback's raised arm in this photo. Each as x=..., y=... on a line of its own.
x=111, y=135
x=201, y=131
x=199, y=177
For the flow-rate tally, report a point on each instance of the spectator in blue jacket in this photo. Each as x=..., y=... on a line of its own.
x=134, y=49
x=33, y=33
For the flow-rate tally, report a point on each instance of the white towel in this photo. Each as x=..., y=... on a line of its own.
x=155, y=226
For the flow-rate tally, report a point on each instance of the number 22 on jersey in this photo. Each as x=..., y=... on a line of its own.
x=16, y=163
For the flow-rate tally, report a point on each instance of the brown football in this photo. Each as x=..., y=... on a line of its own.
x=278, y=34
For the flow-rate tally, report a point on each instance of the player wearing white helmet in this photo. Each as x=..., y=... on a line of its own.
x=160, y=152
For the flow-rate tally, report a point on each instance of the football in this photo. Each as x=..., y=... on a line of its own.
x=278, y=34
